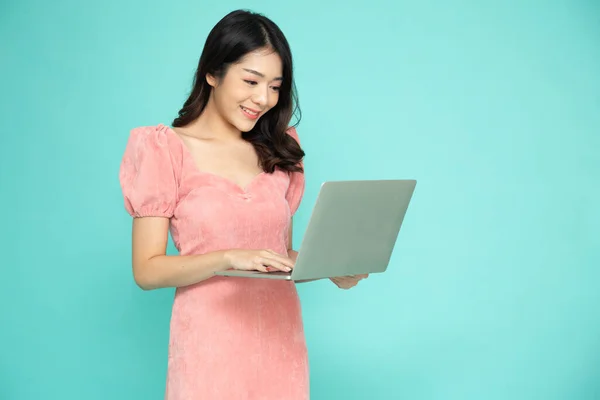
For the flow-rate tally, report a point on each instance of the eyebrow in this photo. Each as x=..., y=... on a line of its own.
x=280, y=78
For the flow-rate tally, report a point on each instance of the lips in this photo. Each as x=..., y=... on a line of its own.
x=250, y=113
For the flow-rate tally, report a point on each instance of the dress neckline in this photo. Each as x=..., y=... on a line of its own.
x=187, y=153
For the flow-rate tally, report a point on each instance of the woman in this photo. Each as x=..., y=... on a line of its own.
x=226, y=179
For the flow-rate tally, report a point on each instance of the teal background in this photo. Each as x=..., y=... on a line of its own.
x=494, y=107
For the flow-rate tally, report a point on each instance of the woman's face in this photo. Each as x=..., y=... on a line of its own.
x=249, y=89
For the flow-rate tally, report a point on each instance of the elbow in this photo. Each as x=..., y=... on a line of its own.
x=142, y=280
x=144, y=285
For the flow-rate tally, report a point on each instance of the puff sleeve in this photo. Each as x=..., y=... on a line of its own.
x=148, y=175
x=295, y=190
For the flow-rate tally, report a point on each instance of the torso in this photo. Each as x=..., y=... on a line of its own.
x=235, y=160
x=220, y=328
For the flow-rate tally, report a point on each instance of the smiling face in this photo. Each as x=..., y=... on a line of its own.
x=249, y=89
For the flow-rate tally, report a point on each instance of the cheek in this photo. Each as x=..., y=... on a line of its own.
x=273, y=99
x=232, y=95
x=221, y=97
x=238, y=90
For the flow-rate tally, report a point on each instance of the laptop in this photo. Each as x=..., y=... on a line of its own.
x=353, y=230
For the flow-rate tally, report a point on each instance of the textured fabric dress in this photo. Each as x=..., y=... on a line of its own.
x=230, y=338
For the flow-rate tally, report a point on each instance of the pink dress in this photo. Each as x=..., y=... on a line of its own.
x=230, y=338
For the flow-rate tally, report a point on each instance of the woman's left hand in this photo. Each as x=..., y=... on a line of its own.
x=347, y=282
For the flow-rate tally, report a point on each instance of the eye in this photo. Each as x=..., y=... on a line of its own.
x=252, y=83
x=276, y=88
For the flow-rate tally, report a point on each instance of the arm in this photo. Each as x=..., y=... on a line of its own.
x=148, y=178
x=153, y=269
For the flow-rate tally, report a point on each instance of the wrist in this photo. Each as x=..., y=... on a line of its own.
x=226, y=260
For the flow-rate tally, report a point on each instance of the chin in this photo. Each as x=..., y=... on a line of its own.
x=245, y=126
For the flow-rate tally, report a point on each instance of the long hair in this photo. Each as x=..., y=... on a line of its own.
x=237, y=34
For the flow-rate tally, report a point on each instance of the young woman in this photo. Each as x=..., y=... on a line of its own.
x=226, y=179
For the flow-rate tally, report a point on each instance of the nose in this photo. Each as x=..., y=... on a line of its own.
x=261, y=96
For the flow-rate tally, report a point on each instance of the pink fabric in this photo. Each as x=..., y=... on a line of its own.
x=230, y=338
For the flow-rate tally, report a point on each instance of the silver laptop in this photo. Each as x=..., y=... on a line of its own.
x=352, y=230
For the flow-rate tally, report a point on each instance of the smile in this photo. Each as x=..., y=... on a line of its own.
x=250, y=113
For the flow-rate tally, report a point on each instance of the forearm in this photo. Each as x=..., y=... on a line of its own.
x=176, y=271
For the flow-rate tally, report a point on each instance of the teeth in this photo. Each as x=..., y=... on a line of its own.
x=249, y=112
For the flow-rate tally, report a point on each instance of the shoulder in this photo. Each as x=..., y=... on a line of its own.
x=152, y=137
x=153, y=150
x=153, y=141
x=150, y=172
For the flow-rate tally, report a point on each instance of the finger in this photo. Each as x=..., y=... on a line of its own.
x=288, y=262
x=343, y=282
x=283, y=259
x=348, y=282
x=272, y=263
x=273, y=252
x=269, y=262
x=261, y=268
x=341, y=278
x=357, y=277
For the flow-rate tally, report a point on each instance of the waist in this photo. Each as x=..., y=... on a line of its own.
x=219, y=288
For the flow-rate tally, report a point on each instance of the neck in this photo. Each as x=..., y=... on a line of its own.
x=211, y=125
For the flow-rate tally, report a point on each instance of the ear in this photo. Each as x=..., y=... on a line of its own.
x=212, y=81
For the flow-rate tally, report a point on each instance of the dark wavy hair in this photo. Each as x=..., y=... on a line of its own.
x=237, y=34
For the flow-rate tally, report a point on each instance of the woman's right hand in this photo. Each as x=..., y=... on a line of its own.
x=259, y=260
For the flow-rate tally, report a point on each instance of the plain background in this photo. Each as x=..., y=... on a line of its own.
x=494, y=107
